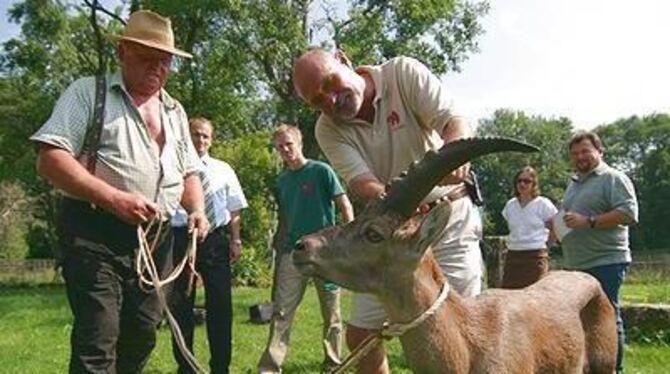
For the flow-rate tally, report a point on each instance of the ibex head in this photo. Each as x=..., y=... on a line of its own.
x=386, y=241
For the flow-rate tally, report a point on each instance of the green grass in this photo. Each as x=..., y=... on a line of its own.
x=35, y=324
x=646, y=293
x=646, y=285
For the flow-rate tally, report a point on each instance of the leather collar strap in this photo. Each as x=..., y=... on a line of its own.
x=455, y=194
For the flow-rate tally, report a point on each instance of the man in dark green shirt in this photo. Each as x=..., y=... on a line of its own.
x=305, y=192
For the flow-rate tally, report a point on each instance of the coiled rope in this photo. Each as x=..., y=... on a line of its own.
x=145, y=266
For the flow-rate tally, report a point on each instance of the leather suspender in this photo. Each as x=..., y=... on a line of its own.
x=66, y=223
x=92, y=139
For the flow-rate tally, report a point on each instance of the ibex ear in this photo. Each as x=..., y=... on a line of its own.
x=432, y=226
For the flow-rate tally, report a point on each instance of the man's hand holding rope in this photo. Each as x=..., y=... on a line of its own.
x=132, y=208
x=198, y=220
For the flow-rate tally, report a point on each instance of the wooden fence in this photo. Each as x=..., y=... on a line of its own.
x=17, y=266
x=35, y=271
x=494, y=250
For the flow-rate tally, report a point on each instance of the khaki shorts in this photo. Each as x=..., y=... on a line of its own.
x=458, y=255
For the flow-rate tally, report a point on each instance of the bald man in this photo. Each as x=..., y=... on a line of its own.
x=375, y=121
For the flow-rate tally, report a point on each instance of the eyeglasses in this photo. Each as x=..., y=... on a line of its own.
x=524, y=181
x=151, y=56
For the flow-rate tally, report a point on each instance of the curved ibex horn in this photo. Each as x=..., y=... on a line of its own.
x=407, y=191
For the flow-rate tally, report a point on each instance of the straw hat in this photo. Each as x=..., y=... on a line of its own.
x=152, y=30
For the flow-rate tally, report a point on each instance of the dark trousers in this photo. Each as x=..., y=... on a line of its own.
x=611, y=278
x=115, y=321
x=213, y=264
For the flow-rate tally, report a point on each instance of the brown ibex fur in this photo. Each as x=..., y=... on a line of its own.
x=562, y=324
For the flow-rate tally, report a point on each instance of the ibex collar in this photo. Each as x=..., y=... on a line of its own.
x=397, y=329
x=389, y=331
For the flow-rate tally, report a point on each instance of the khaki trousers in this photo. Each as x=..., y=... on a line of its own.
x=287, y=292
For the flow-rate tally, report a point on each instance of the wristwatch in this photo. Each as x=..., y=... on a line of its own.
x=592, y=222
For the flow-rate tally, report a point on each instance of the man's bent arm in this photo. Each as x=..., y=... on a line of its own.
x=235, y=224
x=235, y=245
x=606, y=220
x=345, y=208
x=456, y=128
x=192, y=198
x=366, y=186
x=62, y=170
x=611, y=219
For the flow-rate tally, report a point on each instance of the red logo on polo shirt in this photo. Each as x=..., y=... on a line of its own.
x=308, y=188
x=393, y=120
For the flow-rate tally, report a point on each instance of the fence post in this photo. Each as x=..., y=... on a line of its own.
x=494, y=256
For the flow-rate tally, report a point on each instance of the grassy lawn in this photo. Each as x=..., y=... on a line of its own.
x=36, y=324
x=647, y=286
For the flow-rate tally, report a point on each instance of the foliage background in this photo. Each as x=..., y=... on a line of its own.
x=240, y=78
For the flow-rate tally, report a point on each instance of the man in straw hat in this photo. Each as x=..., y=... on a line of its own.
x=143, y=165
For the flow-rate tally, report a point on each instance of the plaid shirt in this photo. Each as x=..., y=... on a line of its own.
x=127, y=157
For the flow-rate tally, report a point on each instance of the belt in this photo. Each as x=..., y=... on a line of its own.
x=453, y=195
x=221, y=228
x=78, y=219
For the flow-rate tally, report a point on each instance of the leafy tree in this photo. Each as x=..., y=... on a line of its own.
x=639, y=147
x=256, y=167
x=240, y=77
x=629, y=141
x=496, y=171
x=54, y=48
x=440, y=33
x=654, y=199
x=264, y=37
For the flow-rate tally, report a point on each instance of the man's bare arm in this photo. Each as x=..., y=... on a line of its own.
x=63, y=171
x=192, y=200
x=235, y=240
x=366, y=186
x=345, y=208
x=456, y=128
x=606, y=220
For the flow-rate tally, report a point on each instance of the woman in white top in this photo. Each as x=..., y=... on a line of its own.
x=528, y=217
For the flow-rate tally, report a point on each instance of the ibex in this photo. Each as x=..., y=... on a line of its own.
x=562, y=324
